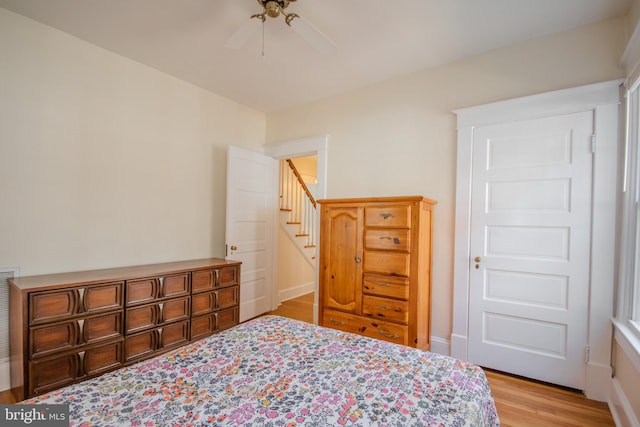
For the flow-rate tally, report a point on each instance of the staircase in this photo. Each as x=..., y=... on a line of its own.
x=297, y=210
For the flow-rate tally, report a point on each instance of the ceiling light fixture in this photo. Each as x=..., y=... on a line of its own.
x=273, y=9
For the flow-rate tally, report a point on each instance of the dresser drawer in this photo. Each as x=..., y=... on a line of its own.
x=386, y=286
x=226, y=318
x=58, y=337
x=140, y=345
x=227, y=297
x=387, y=239
x=52, y=338
x=52, y=305
x=173, y=286
x=151, y=315
x=102, y=297
x=202, y=326
x=49, y=306
x=228, y=276
x=202, y=303
x=385, y=308
x=98, y=328
x=203, y=280
x=175, y=309
x=51, y=373
x=146, y=290
x=54, y=372
x=143, y=317
x=390, y=263
x=397, y=216
x=366, y=326
x=98, y=360
x=174, y=335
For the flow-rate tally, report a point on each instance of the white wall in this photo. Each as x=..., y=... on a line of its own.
x=399, y=137
x=106, y=162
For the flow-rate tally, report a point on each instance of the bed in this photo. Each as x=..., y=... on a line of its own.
x=274, y=371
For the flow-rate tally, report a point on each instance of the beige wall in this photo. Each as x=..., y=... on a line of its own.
x=399, y=137
x=106, y=162
x=294, y=271
x=628, y=378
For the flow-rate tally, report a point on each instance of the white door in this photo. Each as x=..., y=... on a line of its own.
x=530, y=248
x=251, y=203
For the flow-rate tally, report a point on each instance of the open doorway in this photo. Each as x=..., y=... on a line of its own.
x=315, y=151
x=297, y=231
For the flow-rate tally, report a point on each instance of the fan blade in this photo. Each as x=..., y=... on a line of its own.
x=243, y=34
x=316, y=38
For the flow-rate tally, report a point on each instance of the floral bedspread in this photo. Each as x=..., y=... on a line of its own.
x=273, y=371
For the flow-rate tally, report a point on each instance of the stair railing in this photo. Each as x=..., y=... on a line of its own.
x=296, y=198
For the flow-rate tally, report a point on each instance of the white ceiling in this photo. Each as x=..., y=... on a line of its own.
x=375, y=39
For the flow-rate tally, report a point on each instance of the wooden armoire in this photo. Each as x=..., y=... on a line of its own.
x=375, y=267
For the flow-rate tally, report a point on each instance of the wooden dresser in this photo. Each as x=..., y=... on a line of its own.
x=375, y=267
x=65, y=328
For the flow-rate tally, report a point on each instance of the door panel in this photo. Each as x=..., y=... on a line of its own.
x=250, y=217
x=341, y=263
x=530, y=247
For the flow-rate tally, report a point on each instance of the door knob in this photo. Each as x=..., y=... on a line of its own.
x=234, y=248
x=477, y=259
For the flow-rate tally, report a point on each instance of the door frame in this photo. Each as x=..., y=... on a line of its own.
x=603, y=99
x=316, y=145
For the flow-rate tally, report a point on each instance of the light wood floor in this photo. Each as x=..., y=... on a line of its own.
x=520, y=402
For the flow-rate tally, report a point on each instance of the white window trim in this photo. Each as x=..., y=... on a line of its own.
x=627, y=333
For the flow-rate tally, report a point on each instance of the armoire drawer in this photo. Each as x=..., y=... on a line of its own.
x=390, y=263
x=386, y=286
x=385, y=308
x=397, y=216
x=387, y=239
x=373, y=328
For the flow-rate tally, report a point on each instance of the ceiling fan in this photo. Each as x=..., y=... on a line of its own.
x=273, y=9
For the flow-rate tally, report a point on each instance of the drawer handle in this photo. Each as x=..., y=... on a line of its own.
x=80, y=302
x=386, y=215
x=385, y=238
x=81, y=368
x=335, y=322
x=161, y=279
x=81, y=331
x=388, y=335
x=384, y=307
x=384, y=284
x=160, y=313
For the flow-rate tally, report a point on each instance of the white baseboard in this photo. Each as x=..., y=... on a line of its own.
x=440, y=346
x=459, y=346
x=5, y=374
x=620, y=407
x=296, y=291
x=598, y=382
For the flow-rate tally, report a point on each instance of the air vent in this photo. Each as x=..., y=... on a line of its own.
x=5, y=275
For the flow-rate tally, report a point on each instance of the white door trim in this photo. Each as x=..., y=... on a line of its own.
x=603, y=99
x=304, y=147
